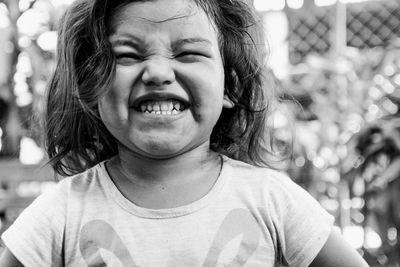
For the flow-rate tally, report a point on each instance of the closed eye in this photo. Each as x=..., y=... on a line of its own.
x=189, y=56
x=127, y=58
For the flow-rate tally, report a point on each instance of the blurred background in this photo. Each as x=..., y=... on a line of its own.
x=337, y=65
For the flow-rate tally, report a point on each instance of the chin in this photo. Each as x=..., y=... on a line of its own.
x=161, y=151
x=161, y=155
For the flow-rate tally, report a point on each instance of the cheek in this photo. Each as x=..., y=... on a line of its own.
x=118, y=96
x=123, y=83
x=107, y=104
x=113, y=109
x=105, y=112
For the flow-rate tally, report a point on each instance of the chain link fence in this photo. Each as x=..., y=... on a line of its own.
x=369, y=24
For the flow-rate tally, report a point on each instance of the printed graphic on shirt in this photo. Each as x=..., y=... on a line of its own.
x=97, y=235
x=238, y=222
x=98, y=239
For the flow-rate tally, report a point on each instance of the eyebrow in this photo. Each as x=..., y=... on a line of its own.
x=135, y=43
x=131, y=41
x=194, y=40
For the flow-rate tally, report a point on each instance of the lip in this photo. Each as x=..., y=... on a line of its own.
x=159, y=97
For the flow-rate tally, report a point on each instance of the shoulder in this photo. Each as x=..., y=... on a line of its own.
x=246, y=174
x=55, y=198
x=87, y=179
x=270, y=188
x=83, y=181
x=36, y=237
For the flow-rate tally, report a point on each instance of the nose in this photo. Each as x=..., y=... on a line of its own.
x=158, y=71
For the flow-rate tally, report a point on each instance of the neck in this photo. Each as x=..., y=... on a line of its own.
x=164, y=183
x=169, y=169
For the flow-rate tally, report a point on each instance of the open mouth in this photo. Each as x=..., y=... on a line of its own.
x=161, y=107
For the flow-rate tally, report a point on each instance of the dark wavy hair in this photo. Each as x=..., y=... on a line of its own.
x=75, y=136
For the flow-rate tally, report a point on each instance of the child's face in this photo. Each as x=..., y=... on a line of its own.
x=168, y=62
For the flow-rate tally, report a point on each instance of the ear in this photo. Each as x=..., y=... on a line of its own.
x=227, y=103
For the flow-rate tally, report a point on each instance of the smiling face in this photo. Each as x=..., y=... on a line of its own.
x=168, y=90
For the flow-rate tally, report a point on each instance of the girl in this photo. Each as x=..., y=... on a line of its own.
x=149, y=102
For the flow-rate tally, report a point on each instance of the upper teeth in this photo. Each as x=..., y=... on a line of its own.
x=166, y=107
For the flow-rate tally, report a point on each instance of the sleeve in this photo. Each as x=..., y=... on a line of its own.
x=36, y=236
x=302, y=225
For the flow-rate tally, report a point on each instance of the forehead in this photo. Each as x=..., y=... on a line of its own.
x=158, y=12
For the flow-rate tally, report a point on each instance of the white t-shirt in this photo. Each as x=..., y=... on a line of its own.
x=251, y=217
